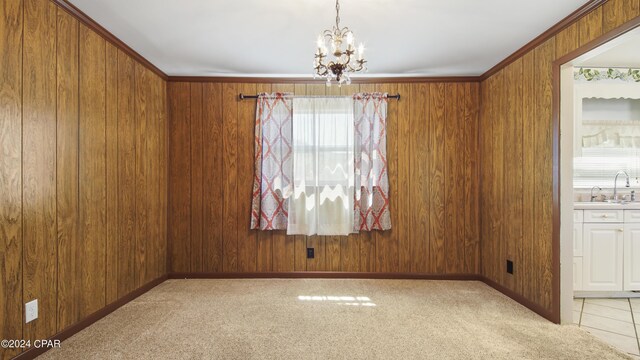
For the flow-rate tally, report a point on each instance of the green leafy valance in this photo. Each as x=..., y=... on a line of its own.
x=628, y=75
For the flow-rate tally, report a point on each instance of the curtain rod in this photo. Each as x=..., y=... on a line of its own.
x=242, y=96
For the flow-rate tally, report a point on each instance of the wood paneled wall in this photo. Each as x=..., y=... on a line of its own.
x=516, y=158
x=83, y=171
x=433, y=174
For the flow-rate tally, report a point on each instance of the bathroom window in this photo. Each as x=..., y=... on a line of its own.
x=607, y=140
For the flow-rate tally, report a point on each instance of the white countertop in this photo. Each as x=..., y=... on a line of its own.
x=606, y=206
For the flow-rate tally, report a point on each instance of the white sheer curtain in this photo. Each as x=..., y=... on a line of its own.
x=323, y=167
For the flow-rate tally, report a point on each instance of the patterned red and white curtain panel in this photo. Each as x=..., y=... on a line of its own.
x=273, y=162
x=372, y=182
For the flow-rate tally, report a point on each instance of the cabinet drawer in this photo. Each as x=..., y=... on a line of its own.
x=600, y=216
x=632, y=216
x=578, y=216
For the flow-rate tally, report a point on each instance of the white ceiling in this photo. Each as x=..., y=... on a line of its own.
x=623, y=52
x=277, y=37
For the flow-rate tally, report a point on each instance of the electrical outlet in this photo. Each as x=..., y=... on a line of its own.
x=510, y=267
x=310, y=253
x=31, y=311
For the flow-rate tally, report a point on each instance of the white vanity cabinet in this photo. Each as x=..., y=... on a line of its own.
x=606, y=247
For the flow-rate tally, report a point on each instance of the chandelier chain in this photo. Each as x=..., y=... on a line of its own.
x=338, y=14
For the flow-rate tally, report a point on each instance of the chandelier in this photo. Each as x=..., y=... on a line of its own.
x=343, y=64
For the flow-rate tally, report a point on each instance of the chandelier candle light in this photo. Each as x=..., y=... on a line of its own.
x=342, y=65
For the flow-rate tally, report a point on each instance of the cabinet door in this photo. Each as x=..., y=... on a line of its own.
x=577, y=273
x=631, y=257
x=602, y=259
x=577, y=239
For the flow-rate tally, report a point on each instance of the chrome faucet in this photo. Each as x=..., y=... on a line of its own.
x=615, y=184
x=593, y=197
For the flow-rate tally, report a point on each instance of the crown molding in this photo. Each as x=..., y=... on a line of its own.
x=93, y=25
x=310, y=80
x=551, y=32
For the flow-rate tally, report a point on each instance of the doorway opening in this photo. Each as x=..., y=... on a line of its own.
x=597, y=107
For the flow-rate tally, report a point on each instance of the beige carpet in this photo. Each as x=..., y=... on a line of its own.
x=328, y=319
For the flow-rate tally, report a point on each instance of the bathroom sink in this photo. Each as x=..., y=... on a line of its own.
x=622, y=202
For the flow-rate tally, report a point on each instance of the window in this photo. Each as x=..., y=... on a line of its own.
x=323, y=167
x=607, y=140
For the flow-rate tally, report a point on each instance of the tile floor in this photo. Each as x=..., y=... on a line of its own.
x=615, y=321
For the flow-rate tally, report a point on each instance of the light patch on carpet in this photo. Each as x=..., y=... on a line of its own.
x=340, y=300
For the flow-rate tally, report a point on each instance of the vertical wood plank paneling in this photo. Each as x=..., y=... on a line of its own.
x=69, y=272
x=164, y=172
x=497, y=221
x=333, y=247
x=450, y=188
x=65, y=101
x=11, y=245
x=111, y=118
x=488, y=238
x=126, y=175
x=567, y=40
x=39, y=166
x=437, y=216
x=230, y=171
x=247, y=246
x=403, y=194
x=156, y=175
x=153, y=178
x=544, y=56
x=349, y=245
x=618, y=12
x=419, y=180
x=142, y=114
x=196, y=156
x=471, y=175
x=387, y=241
x=457, y=252
x=484, y=136
x=513, y=152
x=264, y=248
x=179, y=175
x=92, y=170
x=589, y=27
x=528, y=173
x=212, y=166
